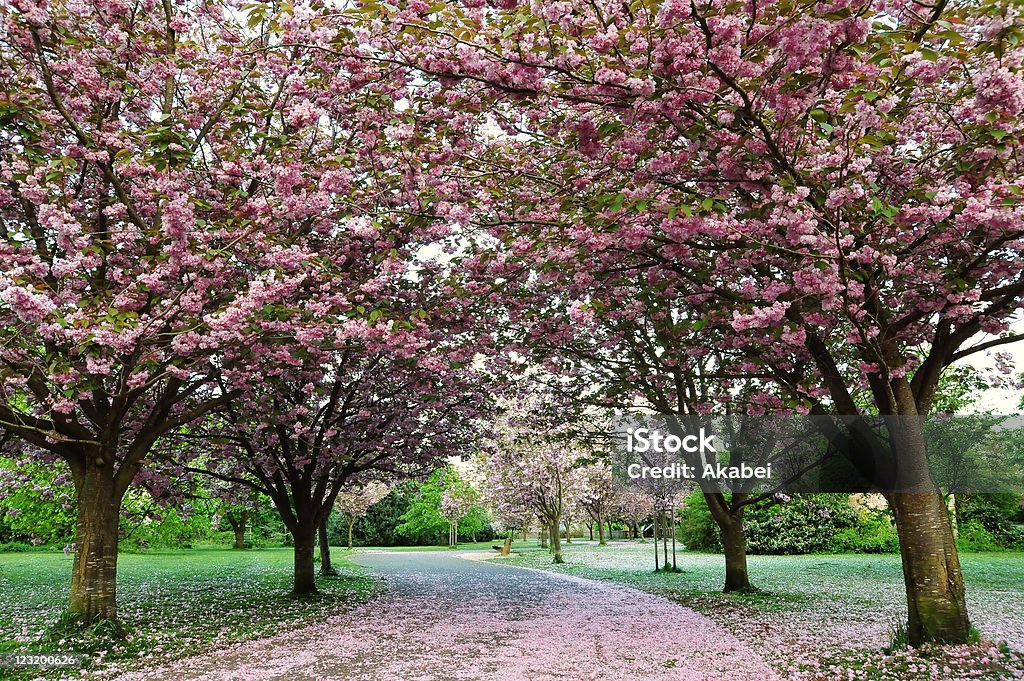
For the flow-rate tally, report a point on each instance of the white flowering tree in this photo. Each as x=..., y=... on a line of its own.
x=456, y=502
x=533, y=467
x=354, y=502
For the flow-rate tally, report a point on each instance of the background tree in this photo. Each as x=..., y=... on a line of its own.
x=355, y=501
x=312, y=426
x=456, y=503
x=598, y=496
x=532, y=467
x=635, y=508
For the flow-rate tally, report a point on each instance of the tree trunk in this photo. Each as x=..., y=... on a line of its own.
x=937, y=610
x=936, y=607
x=94, y=573
x=351, y=524
x=556, y=541
x=305, y=563
x=730, y=526
x=326, y=568
x=590, y=529
x=601, y=540
x=737, y=578
x=654, y=532
x=239, y=529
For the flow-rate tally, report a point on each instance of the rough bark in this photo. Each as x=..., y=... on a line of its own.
x=936, y=606
x=304, y=583
x=730, y=524
x=736, y=576
x=601, y=539
x=937, y=610
x=351, y=524
x=94, y=573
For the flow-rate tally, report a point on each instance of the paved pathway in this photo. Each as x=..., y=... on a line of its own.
x=446, y=617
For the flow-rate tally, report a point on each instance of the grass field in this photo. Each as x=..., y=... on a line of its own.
x=815, y=617
x=173, y=603
x=825, y=616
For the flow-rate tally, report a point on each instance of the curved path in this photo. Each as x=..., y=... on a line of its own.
x=446, y=617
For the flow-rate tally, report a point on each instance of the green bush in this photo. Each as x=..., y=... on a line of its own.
x=873, y=533
x=806, y=523
x=22, y=547
x=974, y=536
x=697, y=529
x=986, y=522
x=809, y=523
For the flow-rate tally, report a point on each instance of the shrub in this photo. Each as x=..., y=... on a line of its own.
x=974, y=536
x=986, y=522
x=697, y=529
x=873, y=533
x=808, y=523
x=21, y=547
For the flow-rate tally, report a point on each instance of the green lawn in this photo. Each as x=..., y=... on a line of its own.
x=174, y=603
x=816, y=617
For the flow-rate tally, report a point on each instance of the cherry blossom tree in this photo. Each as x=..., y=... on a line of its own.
x=598, y=495
x=181, y=186
x=634, y=507
x=141, y=238
x=833, y=188
x=331, y=417
x=456, y=503
x=355, y=501
x=532, y=466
